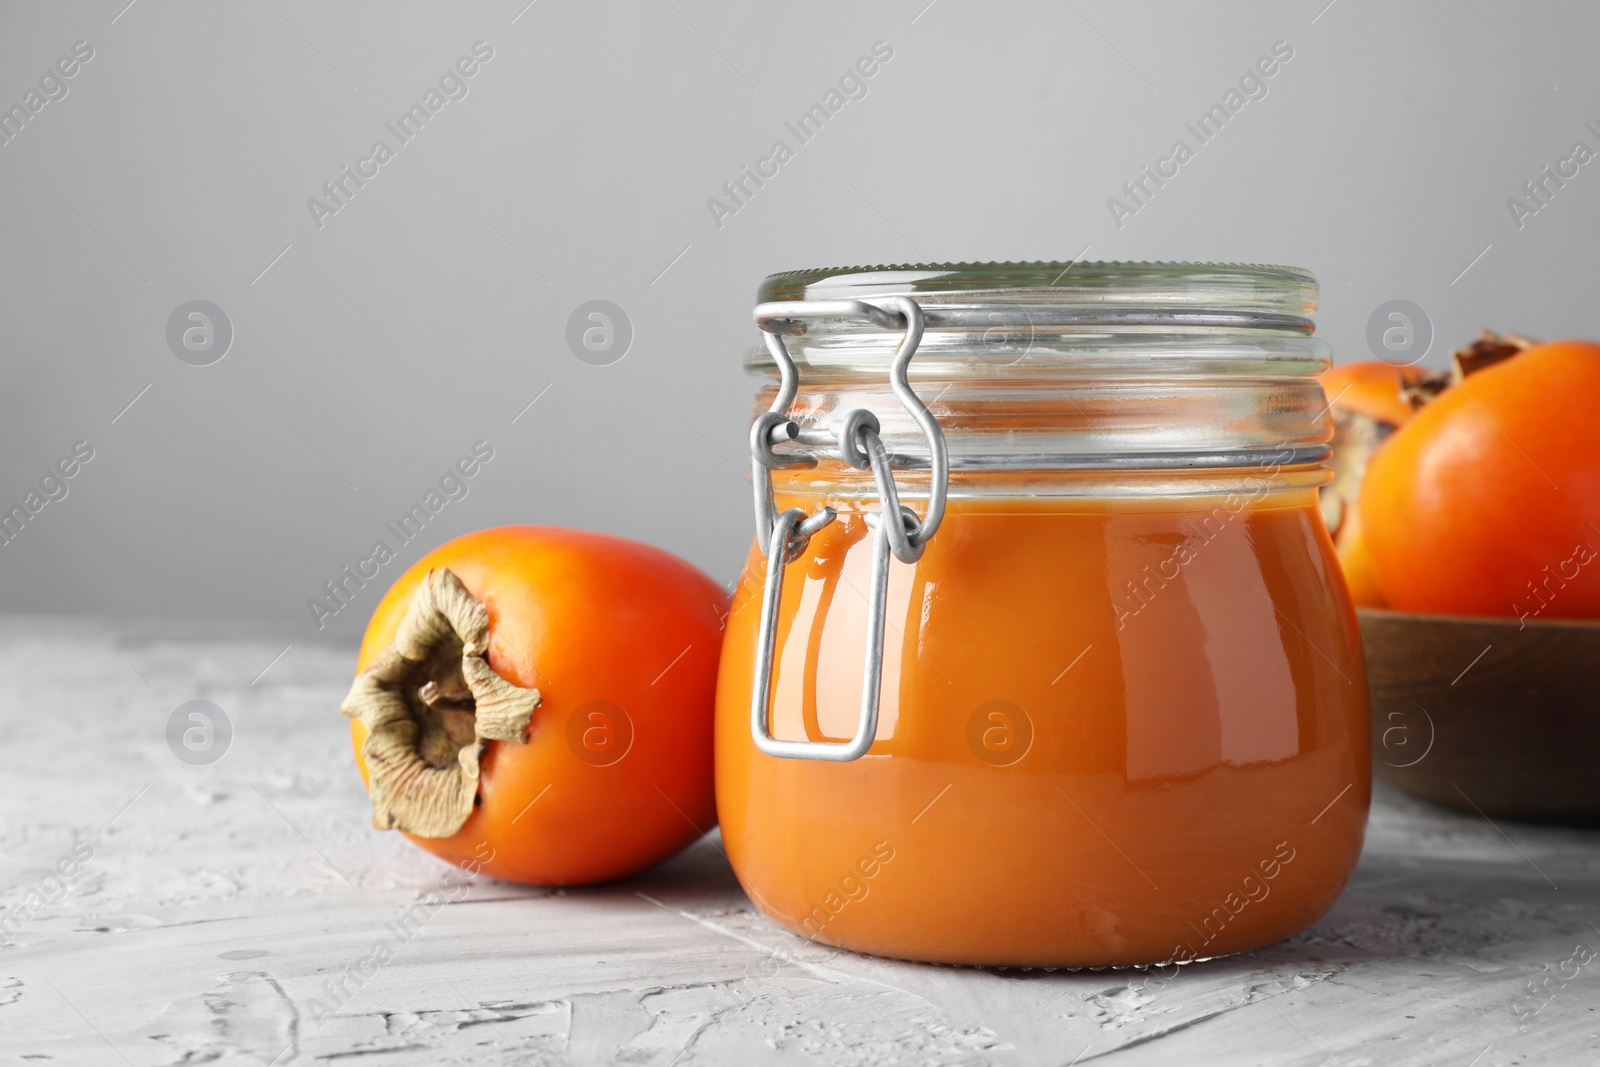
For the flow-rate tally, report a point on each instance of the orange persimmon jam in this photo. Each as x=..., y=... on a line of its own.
x=1108, y=732
x=1123, y=710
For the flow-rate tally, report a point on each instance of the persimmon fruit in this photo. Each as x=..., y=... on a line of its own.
x=1487, y=501
x=1372, y=388
x=1368, y=401
x=1356, y=562
x=536, y=703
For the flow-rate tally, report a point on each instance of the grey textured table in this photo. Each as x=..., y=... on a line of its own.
x=227, y=914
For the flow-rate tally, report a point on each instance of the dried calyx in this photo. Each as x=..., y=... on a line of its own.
x=1357, y=434
x=1488, y=349
x=1355, y=437
x=431, y=703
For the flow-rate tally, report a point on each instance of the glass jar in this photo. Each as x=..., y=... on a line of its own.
x=1087, y=689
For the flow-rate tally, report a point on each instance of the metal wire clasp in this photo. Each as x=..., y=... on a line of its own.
x=896, y=529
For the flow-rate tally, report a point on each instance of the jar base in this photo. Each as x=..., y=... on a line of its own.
x=1061, y=953
x=937, y=960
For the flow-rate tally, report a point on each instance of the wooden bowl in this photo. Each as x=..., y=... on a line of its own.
x=1487, y=714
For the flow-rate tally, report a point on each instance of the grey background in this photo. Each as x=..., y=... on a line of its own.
x=428, y=312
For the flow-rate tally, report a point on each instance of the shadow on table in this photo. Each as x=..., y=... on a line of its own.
x=1432, y=886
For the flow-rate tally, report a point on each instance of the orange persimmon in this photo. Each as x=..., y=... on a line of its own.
x=536, y=703
x=1487, y=502
x=1368, y=401
x=1356, y=563
x=1372, y=388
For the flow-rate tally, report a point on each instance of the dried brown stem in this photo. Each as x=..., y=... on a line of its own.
x=431, y=703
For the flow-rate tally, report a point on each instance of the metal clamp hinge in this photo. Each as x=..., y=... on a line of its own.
x=896, y=530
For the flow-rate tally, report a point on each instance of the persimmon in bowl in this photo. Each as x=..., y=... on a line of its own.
x=1466, y=514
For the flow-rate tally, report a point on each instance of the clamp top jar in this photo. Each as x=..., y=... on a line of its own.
x=1042, y=642
x=1049, y=366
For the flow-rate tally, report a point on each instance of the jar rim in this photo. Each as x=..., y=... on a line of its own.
x=1264, y=288
x=1053, y=320
x=1057, y=366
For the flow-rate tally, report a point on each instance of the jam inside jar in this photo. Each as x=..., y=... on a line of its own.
x=1121, y=709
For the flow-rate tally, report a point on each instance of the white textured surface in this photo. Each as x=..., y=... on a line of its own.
x=214, y=908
